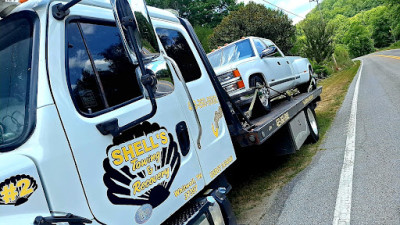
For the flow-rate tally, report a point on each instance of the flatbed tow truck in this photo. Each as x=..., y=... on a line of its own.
x=100, y=124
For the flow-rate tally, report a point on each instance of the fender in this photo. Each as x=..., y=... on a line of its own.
x=250, y=68
x=21, y=192
x=301, y=67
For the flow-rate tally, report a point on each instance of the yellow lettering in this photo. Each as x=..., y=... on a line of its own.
x=154, y=146
x=138, y=146
x=134, y=165
x=136, y=187
x=118, y=159
x=164, y=138
x=147, y=149
x=128, y=152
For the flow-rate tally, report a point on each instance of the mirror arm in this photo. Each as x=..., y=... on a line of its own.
x=196, y=115
x=60, y=11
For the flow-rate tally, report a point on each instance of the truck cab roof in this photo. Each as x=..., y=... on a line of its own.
x=40, y=4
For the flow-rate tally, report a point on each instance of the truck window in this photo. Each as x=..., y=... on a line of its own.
x=16, y=43
x=178, y=49
x=260, y=46
x=99, y=72
x=269, y=44
x=231, y=53
x=215, y=58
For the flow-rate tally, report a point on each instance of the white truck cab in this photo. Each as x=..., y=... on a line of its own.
x=81, y=133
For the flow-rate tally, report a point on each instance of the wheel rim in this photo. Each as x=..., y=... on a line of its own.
x=264, y=97
x=313, y=122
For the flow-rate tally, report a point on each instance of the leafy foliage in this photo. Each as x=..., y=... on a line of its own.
x=208, y=13
x=255, y=20
x=359, y=27
x=357, y=38
x=203, y=33
x=318, y=39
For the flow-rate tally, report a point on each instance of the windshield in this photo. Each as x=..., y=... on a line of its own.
x=15, y=69
x=232, y=53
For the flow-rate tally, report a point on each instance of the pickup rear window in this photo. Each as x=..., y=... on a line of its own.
x=231, y=53
x=16, y=49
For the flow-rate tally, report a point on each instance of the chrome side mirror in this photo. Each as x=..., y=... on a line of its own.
x=270, y=51
x=136, y=29
x=140, y=42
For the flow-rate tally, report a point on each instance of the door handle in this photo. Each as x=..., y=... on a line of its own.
x=287, y=62
x=183, y=137
x=279, y=63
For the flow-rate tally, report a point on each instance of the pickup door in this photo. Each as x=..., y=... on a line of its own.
x=281, y=78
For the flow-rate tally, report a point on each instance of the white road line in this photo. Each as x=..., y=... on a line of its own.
x=343, y=200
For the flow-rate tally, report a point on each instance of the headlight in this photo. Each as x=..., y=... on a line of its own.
x=231, y=81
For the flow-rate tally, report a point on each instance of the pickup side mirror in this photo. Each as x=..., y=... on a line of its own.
x=270, y=51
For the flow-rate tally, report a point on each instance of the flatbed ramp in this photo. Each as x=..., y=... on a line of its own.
x=282, y=112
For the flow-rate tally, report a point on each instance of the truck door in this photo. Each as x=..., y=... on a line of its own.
x=146, y=173
x=216, y=151
x=285, y=79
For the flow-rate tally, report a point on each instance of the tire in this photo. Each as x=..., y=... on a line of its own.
x=312, y=125
x=309, y=85
x=263, y=103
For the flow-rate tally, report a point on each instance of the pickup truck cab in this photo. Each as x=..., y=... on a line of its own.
x=245, y=63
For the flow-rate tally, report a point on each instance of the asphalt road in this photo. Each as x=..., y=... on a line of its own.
x=372, y=190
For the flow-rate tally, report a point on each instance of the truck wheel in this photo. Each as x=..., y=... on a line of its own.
x=309, y=85
x=263, y=102
x=312, y=124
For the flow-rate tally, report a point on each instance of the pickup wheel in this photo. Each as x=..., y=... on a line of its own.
x=263, y=103
x=309, y=85
x=312, y=124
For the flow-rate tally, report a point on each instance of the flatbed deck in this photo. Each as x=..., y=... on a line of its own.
x=282, y=112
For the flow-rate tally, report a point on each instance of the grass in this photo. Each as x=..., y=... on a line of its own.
x=257, y=173
x=395, y=45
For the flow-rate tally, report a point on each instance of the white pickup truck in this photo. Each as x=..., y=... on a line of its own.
x=255, y=61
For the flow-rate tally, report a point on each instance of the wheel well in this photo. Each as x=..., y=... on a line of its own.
x=257, y=75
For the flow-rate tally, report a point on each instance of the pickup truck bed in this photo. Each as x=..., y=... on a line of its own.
x=282, y=112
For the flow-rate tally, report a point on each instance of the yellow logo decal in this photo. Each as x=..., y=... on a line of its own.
x=218, y=115
x=17, y=189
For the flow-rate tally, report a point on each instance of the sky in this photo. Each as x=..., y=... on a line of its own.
x=299, y=7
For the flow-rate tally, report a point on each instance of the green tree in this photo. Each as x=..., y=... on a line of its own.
x=208, y=13
x=358, y=39
x=340, y=25
x=255, y=20
x=203, y=33
x=380, y=23
x=318, y=39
